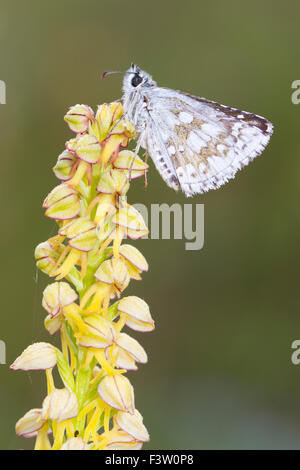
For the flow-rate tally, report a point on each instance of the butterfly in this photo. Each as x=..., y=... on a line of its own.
x=196, y=144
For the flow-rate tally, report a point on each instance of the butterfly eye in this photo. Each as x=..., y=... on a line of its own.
x=137, y=79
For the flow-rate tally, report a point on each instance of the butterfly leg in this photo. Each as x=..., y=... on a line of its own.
x=137, y=148
x=146, y=155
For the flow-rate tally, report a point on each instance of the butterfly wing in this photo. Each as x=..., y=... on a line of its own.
x=198, y=145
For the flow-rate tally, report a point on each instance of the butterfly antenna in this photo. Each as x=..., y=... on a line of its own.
x=109, y=72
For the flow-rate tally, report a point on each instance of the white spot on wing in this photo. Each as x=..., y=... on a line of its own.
x=185, y=117
x=211, y=130
x=171, y=150
x=195, y=142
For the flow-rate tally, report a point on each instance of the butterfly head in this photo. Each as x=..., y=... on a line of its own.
x=136, y=79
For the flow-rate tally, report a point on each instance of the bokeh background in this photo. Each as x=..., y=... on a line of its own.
x=219, y=374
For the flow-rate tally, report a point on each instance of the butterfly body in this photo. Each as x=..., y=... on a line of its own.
x=196, y=144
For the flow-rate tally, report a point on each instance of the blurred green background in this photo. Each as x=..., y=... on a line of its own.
x=219, y=374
